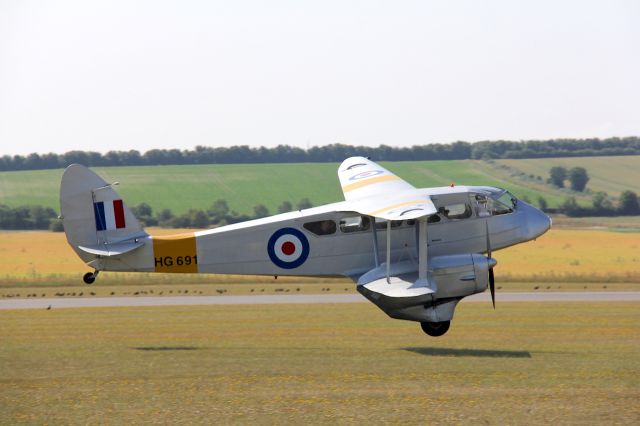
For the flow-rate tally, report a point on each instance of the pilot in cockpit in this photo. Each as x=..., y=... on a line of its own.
x=482, y=208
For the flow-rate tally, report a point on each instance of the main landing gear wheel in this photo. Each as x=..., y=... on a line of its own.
x=435, y=329
x=89, y=277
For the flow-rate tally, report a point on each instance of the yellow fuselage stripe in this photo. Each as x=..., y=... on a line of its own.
x=367, y=182
x=175, y=253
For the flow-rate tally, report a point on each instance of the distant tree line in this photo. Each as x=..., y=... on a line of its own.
x=27, y=217
x=218, y=214
x=330, y=153
x=38, y=217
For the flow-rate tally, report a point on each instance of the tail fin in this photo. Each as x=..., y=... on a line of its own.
x=96, y=220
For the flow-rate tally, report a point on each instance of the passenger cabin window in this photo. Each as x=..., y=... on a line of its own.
x=354, y=224
x=456, y=211
x=321, y=227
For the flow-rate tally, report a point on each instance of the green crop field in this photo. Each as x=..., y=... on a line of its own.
x=540, y=363
x=180, y=188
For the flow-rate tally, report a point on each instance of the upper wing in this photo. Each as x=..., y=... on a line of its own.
x=374, y=191
x=362, y=178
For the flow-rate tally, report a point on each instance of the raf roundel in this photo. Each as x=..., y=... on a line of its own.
x=288, y=248
x=365, y=175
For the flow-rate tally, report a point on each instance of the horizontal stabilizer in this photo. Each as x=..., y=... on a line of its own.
x=115, y=249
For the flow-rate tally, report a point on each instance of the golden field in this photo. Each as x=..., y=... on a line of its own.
x=573, y=255
x=560, y=256
x=37, y=258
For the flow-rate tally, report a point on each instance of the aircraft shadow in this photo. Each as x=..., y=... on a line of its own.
x=481, y=353
x=166, y=348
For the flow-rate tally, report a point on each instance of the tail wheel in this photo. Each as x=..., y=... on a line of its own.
x=435, y=329
x=89, y=278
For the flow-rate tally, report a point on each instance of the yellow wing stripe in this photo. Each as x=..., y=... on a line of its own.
x=393, y=206
x=368, y=182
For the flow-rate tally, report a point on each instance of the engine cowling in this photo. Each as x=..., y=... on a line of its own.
x=460, y=275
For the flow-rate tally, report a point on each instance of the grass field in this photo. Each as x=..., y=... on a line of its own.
x=180, y=188
x=551, y=363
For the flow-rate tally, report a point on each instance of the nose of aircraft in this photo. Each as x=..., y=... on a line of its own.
x=537, y=222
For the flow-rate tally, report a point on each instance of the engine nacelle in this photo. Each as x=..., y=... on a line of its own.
x=460, y=275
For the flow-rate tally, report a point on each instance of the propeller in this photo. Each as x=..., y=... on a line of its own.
x=492, y=282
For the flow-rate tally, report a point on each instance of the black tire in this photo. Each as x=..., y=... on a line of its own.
x=435, y=329
x=89, y=278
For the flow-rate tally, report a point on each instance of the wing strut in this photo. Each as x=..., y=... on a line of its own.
x=422, y=253
x=388, y=251
x=374, y=231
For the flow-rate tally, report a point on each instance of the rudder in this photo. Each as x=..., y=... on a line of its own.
x=95, y=218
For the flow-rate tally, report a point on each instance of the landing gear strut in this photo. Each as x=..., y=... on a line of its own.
x=90, y=277
x=435, y=329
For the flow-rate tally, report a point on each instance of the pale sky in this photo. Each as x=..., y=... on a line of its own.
x=120, y=75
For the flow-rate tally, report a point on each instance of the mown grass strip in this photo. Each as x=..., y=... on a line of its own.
x=551, y=362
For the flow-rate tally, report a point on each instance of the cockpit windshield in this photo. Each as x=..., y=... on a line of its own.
x=495, y=203
x=508, y=200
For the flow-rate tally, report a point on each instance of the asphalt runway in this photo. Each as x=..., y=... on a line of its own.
x=101, y=302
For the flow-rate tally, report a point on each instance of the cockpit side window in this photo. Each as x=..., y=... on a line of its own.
x=451, y=207
x=482, y=205
x=496, y=204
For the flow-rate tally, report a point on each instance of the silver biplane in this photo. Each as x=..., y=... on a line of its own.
x=414, y=253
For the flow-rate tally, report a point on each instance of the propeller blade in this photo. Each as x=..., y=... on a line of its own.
x=488, y=241
x=492, y=287
x=492, y=281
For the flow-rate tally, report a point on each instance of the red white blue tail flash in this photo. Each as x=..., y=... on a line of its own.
x=109, y=215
